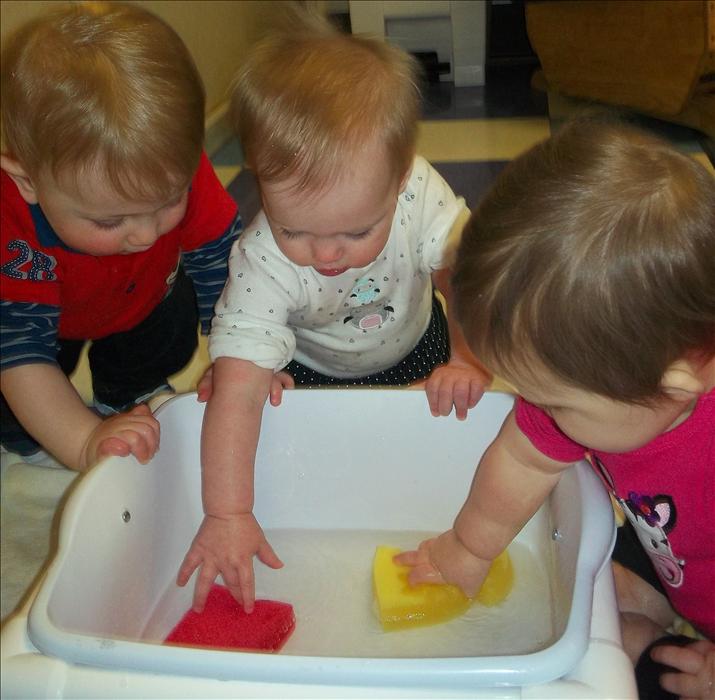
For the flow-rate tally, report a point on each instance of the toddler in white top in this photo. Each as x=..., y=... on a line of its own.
x=344, y=322
x=333, y=281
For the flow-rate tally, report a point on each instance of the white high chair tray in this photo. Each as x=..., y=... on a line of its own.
x=337, y=473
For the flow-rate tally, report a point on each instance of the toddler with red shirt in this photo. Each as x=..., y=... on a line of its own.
x=114, y=226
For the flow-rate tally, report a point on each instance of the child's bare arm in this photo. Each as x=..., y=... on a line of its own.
x=51, y=410
x=512, y=481
x=230, y=536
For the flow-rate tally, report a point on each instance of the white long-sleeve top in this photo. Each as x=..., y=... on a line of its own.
x=360, y=322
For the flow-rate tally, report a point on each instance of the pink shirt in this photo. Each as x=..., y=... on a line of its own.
x=667, y=491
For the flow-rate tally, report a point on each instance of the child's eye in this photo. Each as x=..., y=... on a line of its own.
x=113, y=223
x=362, y=234
x=290, y=234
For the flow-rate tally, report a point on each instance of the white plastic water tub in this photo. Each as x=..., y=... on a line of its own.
x=338, y=473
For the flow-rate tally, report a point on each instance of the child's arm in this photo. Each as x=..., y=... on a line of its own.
x=461, y=382
x=230, y=536
x=51, y=410
x=512, y=481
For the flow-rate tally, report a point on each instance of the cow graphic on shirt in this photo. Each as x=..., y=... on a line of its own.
x=653, y=517
x=366, y=312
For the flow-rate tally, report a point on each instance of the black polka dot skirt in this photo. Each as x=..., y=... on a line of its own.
x=431, y=350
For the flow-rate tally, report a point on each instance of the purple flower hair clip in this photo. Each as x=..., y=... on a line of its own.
x=643, y=506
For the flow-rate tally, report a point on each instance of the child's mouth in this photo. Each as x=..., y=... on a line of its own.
x=331, y=272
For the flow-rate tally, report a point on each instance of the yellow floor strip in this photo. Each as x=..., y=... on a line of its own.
x=184, y=381
x=479, y=139
x=702, y=158
x=226, y=173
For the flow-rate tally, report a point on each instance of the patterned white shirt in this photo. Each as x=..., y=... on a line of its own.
x=360, y=322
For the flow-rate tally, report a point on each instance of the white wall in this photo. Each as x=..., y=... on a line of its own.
x=456, y=29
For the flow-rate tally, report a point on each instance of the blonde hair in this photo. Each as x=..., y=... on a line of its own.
x=309, y=97
x=594, y=254
x=103, y=86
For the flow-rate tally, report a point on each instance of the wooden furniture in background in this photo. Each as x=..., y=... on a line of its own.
x=652, y=56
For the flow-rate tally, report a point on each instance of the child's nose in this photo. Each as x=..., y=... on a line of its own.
x=326, y=251
x=145, y=233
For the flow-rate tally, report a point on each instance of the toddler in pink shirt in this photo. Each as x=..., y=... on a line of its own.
x=586, y=278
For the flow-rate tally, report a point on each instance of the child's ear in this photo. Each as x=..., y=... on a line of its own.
x=20, y=178
x=683, y=380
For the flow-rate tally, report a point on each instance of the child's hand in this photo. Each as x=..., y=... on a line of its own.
x=226, y=546
x=281, y=380
x=204, y=388
x=445, y=559
x=459, y=384
x=696, y=663
x=134, y=432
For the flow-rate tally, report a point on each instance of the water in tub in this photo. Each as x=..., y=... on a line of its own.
x=327, y=578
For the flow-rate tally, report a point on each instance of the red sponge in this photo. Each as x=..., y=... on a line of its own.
x=224, y=624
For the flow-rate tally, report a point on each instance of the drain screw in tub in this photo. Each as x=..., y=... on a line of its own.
x=556, y=535
x=126, y=516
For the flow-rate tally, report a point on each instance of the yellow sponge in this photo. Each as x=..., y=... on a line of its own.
x=401, y=605
x=499, y=581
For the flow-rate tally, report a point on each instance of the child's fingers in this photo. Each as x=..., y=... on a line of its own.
x=267, y=555
x=424, y=573
x=204, y=387
x=113, y=446
x=431, y=387
x=286, y=380
x=476, y=391
x=445, y=398
x=206, y=578
x=433, y=401
x=142, y=444
x=276, y=393
x=232, y=581
x=437, y=399
x=136, y=425
x=409, y=558
x=247, y=585
x=685, y=659
x=684, y=685
x=280, y=381
x=696, y=661
x=132, y=433
x=461, y=397
x=144, y=422
x=191, y=562
x=141, y=435
x=203, y=390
